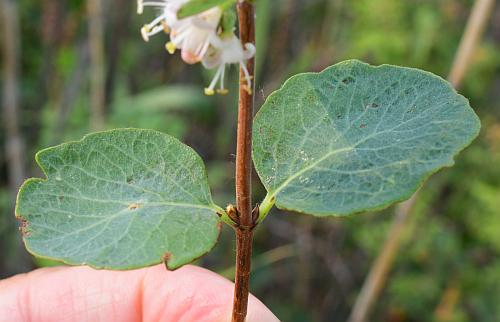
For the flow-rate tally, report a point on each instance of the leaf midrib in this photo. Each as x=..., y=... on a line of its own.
x=329, y=154
x=212, y=207
x=309, y=167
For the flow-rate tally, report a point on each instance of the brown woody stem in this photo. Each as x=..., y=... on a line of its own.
x=245, y=219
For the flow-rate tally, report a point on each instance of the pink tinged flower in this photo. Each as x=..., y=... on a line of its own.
x=193, y=35
x=198, y=39
x=227, y=51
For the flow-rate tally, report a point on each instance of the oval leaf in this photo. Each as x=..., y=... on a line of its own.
x=120, y=199
x=356, y=137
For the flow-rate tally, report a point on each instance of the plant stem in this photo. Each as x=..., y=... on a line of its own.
x=242, y=274
x=245, y=223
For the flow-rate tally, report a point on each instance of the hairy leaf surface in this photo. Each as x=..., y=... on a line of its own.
x=120, y=199
x=356, y=137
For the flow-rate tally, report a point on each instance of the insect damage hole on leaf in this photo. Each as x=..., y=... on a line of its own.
x=134, y=206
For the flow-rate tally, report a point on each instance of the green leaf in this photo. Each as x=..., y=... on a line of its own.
x=195, y=7
x=120, y=199
x=356, y=137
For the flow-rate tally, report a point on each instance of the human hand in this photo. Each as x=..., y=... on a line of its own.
x=152, y=294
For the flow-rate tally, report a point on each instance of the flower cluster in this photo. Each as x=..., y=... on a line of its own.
x=200, y=39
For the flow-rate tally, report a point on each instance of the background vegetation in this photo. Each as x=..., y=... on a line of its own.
x=305, y=269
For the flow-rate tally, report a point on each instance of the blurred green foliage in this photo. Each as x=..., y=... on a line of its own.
x=449, y=266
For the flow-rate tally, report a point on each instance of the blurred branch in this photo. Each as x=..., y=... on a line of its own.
x=51, y=36
x=97, y=62
x=120, y=17
x=14, y=150
x=277, y=63
x=379, y=272
x=475, y=28
x=449, y=300
x=11, y=65
x=380, y=269
x=70, y=93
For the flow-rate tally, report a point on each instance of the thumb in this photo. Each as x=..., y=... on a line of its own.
x=151, y=294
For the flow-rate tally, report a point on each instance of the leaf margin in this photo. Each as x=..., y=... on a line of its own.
x=24, y=223
x=271, y=199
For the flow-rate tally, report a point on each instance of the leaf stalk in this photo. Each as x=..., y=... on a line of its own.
x=266, y=206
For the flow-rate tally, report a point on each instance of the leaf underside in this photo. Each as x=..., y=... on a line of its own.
x=357, y=137
x=120, y=199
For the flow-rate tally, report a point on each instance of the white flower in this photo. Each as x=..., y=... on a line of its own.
x=165, y=21
x=193, y=35
x=227, y=51
x=200, y=40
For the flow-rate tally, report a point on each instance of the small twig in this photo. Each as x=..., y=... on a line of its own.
x=379, y=272
x=245, y=224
